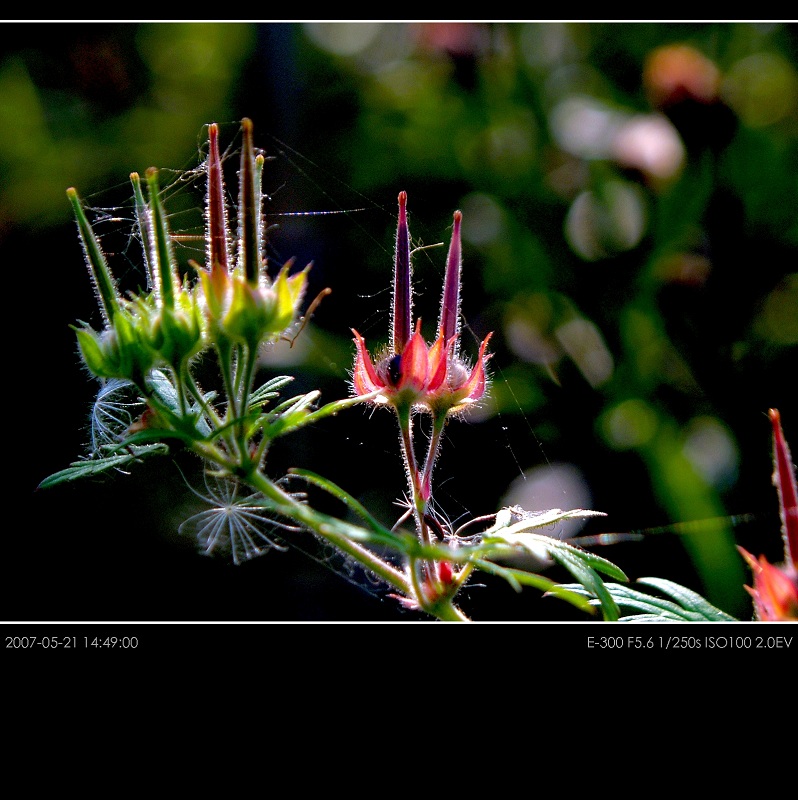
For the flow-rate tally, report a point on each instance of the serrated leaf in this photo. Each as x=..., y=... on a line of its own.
x=96, y=466
x=590, y=579
x=534, y=543
x=630, y=598
x=539, y=519
x=598, y=563
x=518, y=578
x=688, y=599
x=694, y=608
x=268, y=391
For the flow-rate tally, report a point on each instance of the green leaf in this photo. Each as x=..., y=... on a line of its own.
x=165, y=390
x=597, y=563
x=336, y=491
x=332, y=408
x=534, y=543
x=294, y=404
x=518, y=578
x=530, y=520
x=268, y=391
x=288, y=416
x=150, y=435
x=96, y=466
x=590, y=579
x=690, y=606
x=583, y=565
x=688, y=599
x=639, y=601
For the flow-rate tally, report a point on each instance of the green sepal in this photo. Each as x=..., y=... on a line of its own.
x=93, y=352
x=116, y=352
x=289, y=291
x=176, y=332
x=261, y=312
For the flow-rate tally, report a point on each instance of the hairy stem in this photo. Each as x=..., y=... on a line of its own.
x=337, y=532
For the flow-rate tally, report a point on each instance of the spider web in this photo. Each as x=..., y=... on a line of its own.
x=299, y=193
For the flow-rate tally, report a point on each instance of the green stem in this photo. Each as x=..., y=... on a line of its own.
x=403, y=415
x=179, y=374
x=247, y=376
x=244, y=379
x=225, y=355
x=446, y=611
x=438, y=426
x=195, y=392
x=224, y=351
x=333, y=530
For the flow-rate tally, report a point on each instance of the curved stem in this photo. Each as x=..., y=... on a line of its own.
x=333, y=530
x=438, y=426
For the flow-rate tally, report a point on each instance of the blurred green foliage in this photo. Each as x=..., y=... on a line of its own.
x=629, y=202
x=82, y=104
x=629, y=191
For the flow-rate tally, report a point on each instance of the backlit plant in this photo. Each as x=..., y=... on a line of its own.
x=146, y=358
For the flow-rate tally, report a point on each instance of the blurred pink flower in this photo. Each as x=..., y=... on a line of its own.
x=775, y=590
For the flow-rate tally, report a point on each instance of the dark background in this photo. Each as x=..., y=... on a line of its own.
x=644, y=311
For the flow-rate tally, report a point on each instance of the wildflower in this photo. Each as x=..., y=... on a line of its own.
x=775, y=589
x=411, y=373
x=414, y=376
x=174, y=321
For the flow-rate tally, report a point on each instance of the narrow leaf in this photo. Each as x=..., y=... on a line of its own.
x=336, y=491
x=518, y=578
x=687, y=598
x=96, y=466
x=591, y=559
x=590, y=579
x=268, y=390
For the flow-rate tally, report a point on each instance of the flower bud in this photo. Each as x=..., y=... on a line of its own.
x=116, y=352
x=259, y=312
x=176, y=332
